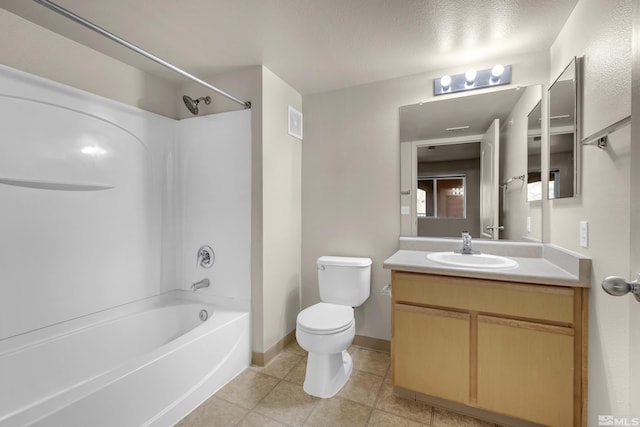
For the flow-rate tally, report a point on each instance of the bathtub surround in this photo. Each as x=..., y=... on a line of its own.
x=107, y=207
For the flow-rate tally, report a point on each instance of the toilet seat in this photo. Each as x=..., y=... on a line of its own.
x=325, y=319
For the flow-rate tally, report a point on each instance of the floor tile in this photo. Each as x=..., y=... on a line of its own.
x=280, y=366
x=385, y=419
x=214, y=412
x=442, y=418
x=297, y=374
x=287, y=403
x=362, y=387
x=416, y=411
x=256, y=420
x=294, y=347
x=248, y=388
x=337, y=412
x=374, y=362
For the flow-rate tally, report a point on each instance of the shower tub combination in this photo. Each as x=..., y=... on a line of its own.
x=142, y=364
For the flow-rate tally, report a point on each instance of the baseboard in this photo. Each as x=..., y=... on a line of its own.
x=376, y=344
x=261, y=359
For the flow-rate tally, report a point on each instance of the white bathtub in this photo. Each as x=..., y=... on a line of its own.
x=146, y=363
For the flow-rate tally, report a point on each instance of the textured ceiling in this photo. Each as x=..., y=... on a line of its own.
x=314, y=45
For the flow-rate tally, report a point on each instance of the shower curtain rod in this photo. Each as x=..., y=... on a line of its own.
x=72, y=16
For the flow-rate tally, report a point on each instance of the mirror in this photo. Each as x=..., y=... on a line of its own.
x=534, y=154
x=563, y=132
x=442, y=178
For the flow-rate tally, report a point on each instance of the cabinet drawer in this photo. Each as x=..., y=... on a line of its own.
x=540, y=302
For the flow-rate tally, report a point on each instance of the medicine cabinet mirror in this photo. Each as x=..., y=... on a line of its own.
x=564, y=132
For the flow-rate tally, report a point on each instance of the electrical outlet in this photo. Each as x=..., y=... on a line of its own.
x=584, y=234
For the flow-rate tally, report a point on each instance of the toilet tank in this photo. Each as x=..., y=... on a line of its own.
x=344, y=280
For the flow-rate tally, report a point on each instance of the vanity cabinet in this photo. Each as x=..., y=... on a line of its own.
x=491, y=348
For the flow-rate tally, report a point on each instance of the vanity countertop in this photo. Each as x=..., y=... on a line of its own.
x=537, y=263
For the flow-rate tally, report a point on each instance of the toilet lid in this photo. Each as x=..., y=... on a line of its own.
x=325, y=318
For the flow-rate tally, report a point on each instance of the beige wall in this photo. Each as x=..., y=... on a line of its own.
x=281, y=162
x=36, y=50
x=351, y=177
x=602, y=32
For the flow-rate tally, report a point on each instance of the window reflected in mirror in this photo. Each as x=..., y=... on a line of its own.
x=441, y=197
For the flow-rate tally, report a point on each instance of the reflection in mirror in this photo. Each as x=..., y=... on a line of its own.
x=563, y=137
x=534, y=153
x=448, y=179
x=440, y=163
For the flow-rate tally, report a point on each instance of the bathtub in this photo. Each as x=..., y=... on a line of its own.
x=148, y=363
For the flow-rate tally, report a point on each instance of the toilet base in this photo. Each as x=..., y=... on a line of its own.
x=327, y=373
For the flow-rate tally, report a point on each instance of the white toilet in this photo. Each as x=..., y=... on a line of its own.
x=327, y=329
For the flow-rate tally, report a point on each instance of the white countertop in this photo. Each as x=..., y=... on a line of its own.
x=550, y=265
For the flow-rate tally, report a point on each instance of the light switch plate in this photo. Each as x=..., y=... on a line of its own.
x=584, y=234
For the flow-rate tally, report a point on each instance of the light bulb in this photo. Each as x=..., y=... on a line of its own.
x=497, y=71
x=445, y=82
x=470, y=75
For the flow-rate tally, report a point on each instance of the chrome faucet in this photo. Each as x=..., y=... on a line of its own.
x=204, y=283
x=466, y=243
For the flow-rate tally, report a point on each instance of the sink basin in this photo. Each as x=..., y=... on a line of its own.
x=483, y=261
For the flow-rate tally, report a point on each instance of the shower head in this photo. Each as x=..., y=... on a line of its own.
x=192, y=105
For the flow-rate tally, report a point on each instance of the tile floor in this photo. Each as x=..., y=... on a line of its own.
x=273, y=396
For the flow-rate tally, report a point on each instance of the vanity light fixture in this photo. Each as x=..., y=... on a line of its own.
x=473, y=79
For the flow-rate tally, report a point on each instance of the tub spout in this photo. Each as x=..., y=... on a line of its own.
x=204, y=283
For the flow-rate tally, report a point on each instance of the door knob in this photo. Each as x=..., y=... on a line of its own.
x=617, y=286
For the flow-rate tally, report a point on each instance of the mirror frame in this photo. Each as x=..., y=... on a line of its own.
x=577, y=64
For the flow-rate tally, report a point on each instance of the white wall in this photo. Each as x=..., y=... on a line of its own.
x=39, y=51
x=602, y=32
x=214, y=204
x=64, y=254
x=351, y=176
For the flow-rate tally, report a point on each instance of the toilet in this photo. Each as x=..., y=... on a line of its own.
x=327, y=329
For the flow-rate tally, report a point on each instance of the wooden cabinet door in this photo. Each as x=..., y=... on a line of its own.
x=431, y=351
x=525, y=370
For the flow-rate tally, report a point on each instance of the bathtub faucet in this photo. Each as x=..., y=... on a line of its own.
x=204, y=283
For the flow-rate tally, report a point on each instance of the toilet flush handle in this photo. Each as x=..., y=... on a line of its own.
x=321, y=267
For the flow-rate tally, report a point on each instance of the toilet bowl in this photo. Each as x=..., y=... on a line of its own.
x=327, y=329
x=329, y=364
